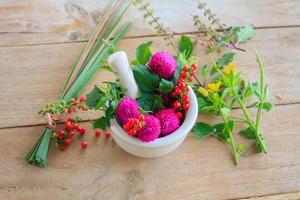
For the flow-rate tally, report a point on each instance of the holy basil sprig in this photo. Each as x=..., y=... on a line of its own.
x=226, y=89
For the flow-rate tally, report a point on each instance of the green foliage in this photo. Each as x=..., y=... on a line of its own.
x=100, y=123
x=165, y=86
x=150, y=102
x=225, y=59
x=146, y=80
x=94, y=97
x=186, y=46
x=202, y=129
x=244, y=34
x=143, y=53
x=248, y=133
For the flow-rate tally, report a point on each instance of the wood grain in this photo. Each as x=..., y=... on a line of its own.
x=289, y=196
x=52, y=21
x=198, y=169
x=37, y=75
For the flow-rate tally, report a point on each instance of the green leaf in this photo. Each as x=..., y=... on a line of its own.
x=146, y=102
x=157, y=103
x=204, y=70
x=248, y=133
x=225, y=60
x=94, y=97
x=241, y=148
x=219, y=133
x=109, y=114
x=267, y=106
x=100, y=123
x=101, y=102
x=186, y=46
x=143, y=53
x=202, y=129
x=176, y=74
x=244, y=34
x=146, y=80
x=165, y=86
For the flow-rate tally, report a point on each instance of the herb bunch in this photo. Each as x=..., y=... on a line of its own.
x=228, y=89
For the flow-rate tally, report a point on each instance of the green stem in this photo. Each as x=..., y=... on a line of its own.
x=253, y=127
x=231, y=142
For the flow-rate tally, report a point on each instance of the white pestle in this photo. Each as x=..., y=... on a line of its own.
x=119, y=63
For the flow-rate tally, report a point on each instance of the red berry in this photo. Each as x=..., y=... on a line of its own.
x=68, y=141
x=141, y=117
x=68, y=125
x=131, y=132
x=139, y=127
x=84, y=108
x=179, y=115
x=82, y=99
x=75, y=110
x=186, y=106
x=75, y=103
x=194, y=66
x=97, y=133
x=70, y=119
x=173, y=94
x=184, y=68
x=82, y=131
x=181, y=85
x=107, y=135
x=61, y=133
x=83, y=144
x=63, y=147
x=176, y=104
x=177, y=90
x=76, y=127
x=68, y=110
x=183, y=75
x=190, y=79
x=185, y=97
x=71, y=134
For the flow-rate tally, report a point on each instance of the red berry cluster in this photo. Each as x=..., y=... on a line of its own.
x=181, y=90
x=134, y=125
x=98, y=133
x=77, y=104
x=63, y=137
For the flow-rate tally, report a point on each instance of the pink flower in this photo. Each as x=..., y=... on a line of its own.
x=163, y=64
x=127, y=108
x=168, y=120
x=151, y=130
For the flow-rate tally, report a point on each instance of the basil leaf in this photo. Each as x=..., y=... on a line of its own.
x=143, y=53
x=146, y=80
x=186, y=46
x=93, y=97
x=100, y=123
x=202, y=129
x=165, y=86
x=248, y=133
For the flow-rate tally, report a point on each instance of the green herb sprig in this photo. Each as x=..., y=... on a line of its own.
x=220, y=97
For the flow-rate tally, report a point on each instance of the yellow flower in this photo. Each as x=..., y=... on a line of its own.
x=229, y=68
x=213, y=87
x=203, y=91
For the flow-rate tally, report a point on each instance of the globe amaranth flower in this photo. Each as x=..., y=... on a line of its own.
x=168, y=120
x=151, y=129
x=163, y=64
x=127, y=108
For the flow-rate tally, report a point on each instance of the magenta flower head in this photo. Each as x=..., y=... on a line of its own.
x=163, y=64
x=127, y=108
x=168, y=120
x=151, y=130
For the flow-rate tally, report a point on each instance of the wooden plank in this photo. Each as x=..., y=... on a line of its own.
x=198, y=169
x=52, y=21
x=289, y=196
x=39, y=71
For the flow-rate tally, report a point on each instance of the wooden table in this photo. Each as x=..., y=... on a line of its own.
x=40, y=41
